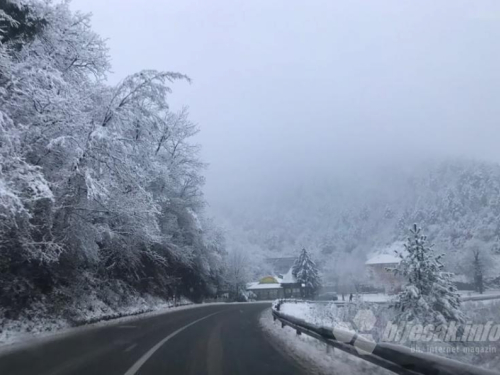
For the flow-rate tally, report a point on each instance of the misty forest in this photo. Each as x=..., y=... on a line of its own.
x=104, y=212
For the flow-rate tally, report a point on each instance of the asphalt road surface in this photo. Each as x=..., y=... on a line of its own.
x=211, y=340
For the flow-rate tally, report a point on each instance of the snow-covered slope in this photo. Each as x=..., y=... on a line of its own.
x=339, y=219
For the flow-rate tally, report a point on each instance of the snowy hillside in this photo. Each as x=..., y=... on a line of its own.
x=456, y=202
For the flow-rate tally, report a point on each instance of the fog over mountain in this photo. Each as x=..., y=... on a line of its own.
x=320, y=107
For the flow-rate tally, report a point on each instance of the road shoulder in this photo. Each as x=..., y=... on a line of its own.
x=312, y=354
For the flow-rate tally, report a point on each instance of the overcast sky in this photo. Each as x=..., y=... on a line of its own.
x=285, y=89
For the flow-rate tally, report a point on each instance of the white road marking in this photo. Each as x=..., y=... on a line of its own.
x=133, y=370
x=130, y=347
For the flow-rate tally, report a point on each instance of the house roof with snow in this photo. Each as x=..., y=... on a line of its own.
x=273, y=282
x=257, y=285
x=386, y=255
x=282, y=268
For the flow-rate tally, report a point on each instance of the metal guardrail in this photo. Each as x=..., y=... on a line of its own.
x=337, y=302
x=475, y=298
x=396, y=358
x=479, y=298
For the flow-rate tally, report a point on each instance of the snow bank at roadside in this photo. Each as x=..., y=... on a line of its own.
x=326, y=315
x=302, y=310
x=38, y=322
x=312, y=354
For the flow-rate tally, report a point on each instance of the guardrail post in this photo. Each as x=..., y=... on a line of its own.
x=299, y=333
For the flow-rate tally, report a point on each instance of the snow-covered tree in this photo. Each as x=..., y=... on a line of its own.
x=428, y=296
x=237, y=272
x=97, y=182
x=306, y=273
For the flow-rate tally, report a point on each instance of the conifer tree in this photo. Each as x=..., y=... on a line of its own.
x=428, y=296
x=306, y=273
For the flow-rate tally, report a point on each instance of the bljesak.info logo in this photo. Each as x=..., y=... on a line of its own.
x=451, y=332
x=435, y=338
x=475, y=337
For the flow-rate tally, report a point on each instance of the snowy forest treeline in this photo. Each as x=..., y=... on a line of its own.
x=100, y=185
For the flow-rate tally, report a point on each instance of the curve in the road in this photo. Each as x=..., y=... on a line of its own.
x=133, y=370
x=209, y=340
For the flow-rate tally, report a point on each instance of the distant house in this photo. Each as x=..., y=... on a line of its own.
x=281, y=285
x=377, y=264
x=266, y=288
x=381, y=259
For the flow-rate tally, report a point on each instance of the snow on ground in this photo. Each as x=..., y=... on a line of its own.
x=311, y=353
x=375, y=297
x=38, y=321
x=465, y=294
x=319, y=314
x=32, y=327
x=300, y=310
x=36, y=324
x=44, y=318
x=381, y=297
x=332, y=315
